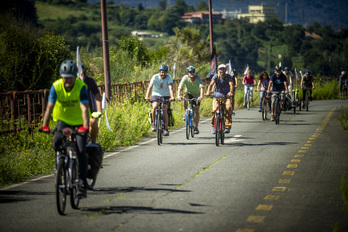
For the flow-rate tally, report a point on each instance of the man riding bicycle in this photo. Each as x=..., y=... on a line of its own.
x=194, y=88
x=342, y=81
x=68, y=100
x=223, y=87
x=279, y=84
x=161, y=85
x=307, y=83
x=95, y=104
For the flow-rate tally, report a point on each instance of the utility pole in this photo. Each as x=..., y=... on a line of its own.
x=105, y=50
x=211, y=28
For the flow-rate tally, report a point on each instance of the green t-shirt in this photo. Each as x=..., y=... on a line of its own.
x=193, y=88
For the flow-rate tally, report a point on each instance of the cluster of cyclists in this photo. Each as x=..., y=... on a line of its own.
x=76, y=102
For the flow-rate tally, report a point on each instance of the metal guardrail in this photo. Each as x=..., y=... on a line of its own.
x=21, y=110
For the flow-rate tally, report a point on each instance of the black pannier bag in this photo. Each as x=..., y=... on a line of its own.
x=95, y=159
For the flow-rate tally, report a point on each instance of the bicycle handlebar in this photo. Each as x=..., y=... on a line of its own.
x=192, y=99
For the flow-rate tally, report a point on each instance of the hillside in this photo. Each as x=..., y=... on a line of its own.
x=325, y=12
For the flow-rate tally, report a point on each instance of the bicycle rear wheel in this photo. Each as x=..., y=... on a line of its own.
x=217, y=130
x=61, y=186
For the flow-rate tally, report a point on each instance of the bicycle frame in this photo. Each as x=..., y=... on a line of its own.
x=159, y=122
x=219, y=118
x=189, y=117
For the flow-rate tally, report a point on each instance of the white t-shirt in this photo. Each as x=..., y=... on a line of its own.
x=161, y=86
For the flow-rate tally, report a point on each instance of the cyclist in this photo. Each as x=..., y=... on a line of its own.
x=223, y=87
x=235, y=80
x=342, y=81
x=262, y=86
x=248, y=82
x=194, y=88
x=95, y=104
x=161, y=85
x=278, y=83
x=68, y=101
x=307, y=83
x=289, y=75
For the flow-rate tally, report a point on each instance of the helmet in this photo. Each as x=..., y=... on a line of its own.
x=190, y=68
x=308, y=72
x=286, y=69
x=343, y=73
x=163, y=67
x=222, y=66
x=68, y=68
x=277, y=68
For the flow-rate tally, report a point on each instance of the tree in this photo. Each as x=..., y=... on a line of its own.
x=21, y=9
x=202, y=6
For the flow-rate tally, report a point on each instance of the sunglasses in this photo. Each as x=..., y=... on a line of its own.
x=191, y=72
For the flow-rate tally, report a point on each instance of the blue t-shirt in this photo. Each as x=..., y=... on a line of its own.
x=278, y=82
x=161, y=86
x=222, y=85
x=342, y=79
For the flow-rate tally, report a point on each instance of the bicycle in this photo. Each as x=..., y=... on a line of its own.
x=219, y=120
x=264, y=105
x=306, y=92
x=67, y=171
x=189, y=117
x=159, y=123
x=277, y=107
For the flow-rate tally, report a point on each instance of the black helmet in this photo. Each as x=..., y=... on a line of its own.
x=68, y=68
x=286, y=69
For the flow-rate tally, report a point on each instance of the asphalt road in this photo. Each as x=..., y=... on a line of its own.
x=266, y=177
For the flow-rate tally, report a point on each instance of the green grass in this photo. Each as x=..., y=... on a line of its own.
x=344, y=118
x=46, y=11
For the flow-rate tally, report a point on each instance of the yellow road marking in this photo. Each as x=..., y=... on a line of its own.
x=306, y=148
x=296, y=160
x=272, y=197
x=302, y=151
x=288, y=173
x=279, y=189
x=257, y=219
x=285, y=181
x=299, y=156
x=264, y=207
x=307, y=145
x=292, y=166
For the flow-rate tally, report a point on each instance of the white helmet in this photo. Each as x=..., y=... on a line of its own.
x=343, y=72
x=222, y=66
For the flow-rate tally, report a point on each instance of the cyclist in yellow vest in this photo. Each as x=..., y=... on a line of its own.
x=68, y=101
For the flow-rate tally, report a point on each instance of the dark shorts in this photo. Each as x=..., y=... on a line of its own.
x=155, y=98
x=189, y=96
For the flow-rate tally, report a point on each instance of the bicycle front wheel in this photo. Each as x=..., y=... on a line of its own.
x=307, y=99
x=263, y=111
x=192, y=126
x=159, y=129
x=61, y=186
x=276, y=106
x=74, y=187
x=217, y=130
x=187, y=122
x=222, y=131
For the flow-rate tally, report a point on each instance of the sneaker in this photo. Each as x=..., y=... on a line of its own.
x=303, y=106
x=227, y=131
x=82, y=193
x=259, y=110
x=244, y=103
x=153, y=127
x=183, y=118
x=196, y=131
x=212, y=130
x=272, y=118
x=233, y=112
x=166, y=132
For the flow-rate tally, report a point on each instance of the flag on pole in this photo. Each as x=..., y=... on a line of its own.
x=229, y=67
x=280, y=64
x=106, y=115
x=213, y=64
x=174, y=67
x=79, y=64
x=246, y=70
